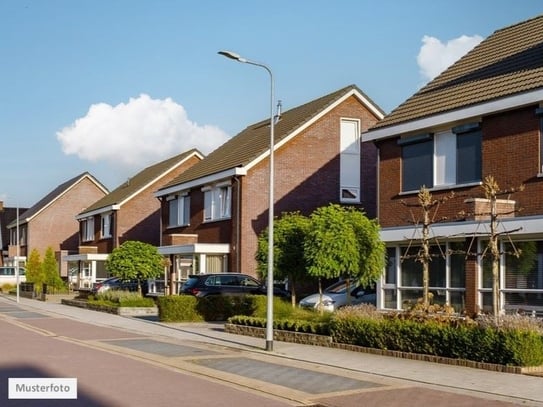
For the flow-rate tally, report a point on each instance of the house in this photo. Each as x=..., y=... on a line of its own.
x=481, y=117
x=7, y=215
x=213, y=213
x=129, y=212
x=51, y=221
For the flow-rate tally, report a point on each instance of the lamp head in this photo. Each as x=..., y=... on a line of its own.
x=232, y=55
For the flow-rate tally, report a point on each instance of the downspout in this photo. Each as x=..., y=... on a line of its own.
x=238, y=223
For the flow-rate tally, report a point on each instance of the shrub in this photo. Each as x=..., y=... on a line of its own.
x=178, y=308
x=222, y=307
x=118, y=298
x=6, y=288
x=458, y=338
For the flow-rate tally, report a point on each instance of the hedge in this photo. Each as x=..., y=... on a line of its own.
x=482, y=344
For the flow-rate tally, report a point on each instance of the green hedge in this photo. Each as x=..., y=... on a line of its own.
x=293, y=325
x=178, y=308
x=468, y=341
x=187, y=308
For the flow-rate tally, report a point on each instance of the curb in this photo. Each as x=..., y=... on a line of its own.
x=322, y=340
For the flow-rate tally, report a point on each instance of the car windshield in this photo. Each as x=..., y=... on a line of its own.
x=338, y=288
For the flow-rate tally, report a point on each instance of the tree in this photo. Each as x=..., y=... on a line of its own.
x=289, y=235
x=492, y=192
x=343, y=242
x=34, y=270
x=134, y=260
x=427, y=203
x=50, y=269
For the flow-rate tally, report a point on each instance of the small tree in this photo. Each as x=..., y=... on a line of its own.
x=289, y=235
x=50, y=269
x=342, y=242
x=34, y=270
x=134, y=260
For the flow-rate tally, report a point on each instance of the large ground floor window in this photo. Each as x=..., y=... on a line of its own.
x=402, y=285
x=520, y=277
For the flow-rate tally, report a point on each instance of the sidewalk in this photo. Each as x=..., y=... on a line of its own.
x=303, y=371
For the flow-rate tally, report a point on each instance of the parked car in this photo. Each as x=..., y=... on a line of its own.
x=202, y=285
x=335, y=296
x=116, y=283
x=8, y=275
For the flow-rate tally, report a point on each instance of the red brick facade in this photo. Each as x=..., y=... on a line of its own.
x=139, y=217
x=307, y=175
x=510, y=153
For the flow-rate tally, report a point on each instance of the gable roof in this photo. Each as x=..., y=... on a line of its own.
x=253, y=143
x=509, y=62
x=53, y=196
x=139, y=182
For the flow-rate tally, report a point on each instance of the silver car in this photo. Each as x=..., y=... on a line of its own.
x=335, y=296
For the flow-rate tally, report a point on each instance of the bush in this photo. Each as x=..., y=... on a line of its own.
x=222, y=307
x=453, y=338
x=6, y=288
x=118, y=298
x=178, y=308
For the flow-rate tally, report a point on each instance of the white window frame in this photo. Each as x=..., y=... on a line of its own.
x=105, y=225
x=349, y=162
x=217, y=202
x=178, y=210
x=87, y=233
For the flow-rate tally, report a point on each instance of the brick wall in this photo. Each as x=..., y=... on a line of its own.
x=306, y=177
x=510, y=153
x=56, y=225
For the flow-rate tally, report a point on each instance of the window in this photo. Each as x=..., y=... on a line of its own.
x=217, y=202
x=21, y=239
x=402, y=282
x=105, y=230
x=179, y=210
x=417, y=165
x=87, y=229
x=446, y=158
x=349, y=161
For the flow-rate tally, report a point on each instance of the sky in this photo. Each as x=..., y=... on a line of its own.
x=110, y=87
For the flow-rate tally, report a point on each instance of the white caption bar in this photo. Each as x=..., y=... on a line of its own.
x=42, y=388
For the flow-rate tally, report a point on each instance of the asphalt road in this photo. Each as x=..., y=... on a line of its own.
x=121, y=361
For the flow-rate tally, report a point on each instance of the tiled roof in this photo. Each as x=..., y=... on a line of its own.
x=52, y=196
x=254, y=141
x=508, y=62
x=139, y=181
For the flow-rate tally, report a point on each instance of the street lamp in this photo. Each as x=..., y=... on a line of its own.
x=269, y=288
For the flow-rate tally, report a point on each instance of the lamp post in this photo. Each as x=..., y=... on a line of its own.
x=269, y=288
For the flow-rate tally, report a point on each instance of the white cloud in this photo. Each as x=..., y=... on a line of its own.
x=435, y=56
x=136, y=134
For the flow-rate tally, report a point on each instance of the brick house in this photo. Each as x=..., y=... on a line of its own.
x=212, y=213
x=7, y=215
x=483, y=116
x=51, y=221
x=129, y=212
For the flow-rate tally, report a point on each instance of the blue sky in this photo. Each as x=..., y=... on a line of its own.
x=112, y=86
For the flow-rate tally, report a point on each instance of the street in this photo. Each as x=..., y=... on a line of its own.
x=121, y=361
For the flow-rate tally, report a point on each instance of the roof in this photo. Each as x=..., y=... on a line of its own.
x=508, y=62
x=140, y=181
x=254, y=141
x=52, y=196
